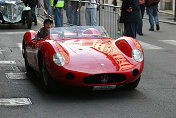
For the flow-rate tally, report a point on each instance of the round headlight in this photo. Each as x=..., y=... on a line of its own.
x=1, y=8
x=58, y=59
x=137, y=55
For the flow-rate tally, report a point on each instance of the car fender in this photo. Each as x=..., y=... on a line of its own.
x=30, y=35
x=127, y=44
x=26, y=9
x=46, y=50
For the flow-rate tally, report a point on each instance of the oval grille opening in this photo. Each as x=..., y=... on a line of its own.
x=104, y=79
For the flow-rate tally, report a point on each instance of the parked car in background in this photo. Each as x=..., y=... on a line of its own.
x=14, y=11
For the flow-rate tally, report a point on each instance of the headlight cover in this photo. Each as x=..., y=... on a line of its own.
x=137, y=55
x=58, y=59
x=1, y=8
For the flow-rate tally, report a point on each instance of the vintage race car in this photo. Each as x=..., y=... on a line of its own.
x=14, y=11
x=84, y=56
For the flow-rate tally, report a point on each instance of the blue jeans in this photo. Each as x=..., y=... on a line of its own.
x=140, y=23
x=68, y=11
x=74, y=14
x=58, y=16
x=91, y=16
x=130, y=29
x=153, y=13
x=33, y=14
x=47, y=5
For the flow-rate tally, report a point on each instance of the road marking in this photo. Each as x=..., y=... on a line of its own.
x=149, y=46
x=1, y=51
x=20, y=45
x=171, y=42
x=16, y=76
x=39, y=21
x=8, y=33
x=15, y=101
x=7, y=62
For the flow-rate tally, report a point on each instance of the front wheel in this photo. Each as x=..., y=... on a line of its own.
x=132, y=85
x=48, y=82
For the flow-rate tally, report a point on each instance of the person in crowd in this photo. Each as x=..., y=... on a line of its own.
x=57, y=6
x=152, y=10
x=68, y=10
x=47, y=5
x=114, y=2
x=45, y=31
x=130, y=15
x=73, y=8
x=32, y=4
x=91, y=12
x=142, y=11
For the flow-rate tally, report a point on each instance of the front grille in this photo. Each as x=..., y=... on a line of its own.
x=12, y=11
x=104, y=79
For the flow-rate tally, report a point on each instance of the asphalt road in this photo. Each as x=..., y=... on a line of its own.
x=154, y=97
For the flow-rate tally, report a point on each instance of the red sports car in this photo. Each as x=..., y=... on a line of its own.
x=84, y=56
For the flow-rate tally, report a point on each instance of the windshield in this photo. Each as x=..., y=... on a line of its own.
x=79, y=31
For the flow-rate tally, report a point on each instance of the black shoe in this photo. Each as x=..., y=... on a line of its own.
x=35, y=24
x=141, y=34
x=157, y=27
x=151, y=29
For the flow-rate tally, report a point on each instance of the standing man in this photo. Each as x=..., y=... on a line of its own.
x=152, y=9
x=114, y=2
x=73, y=6
x=57, y=11
x=91, y=12
x=47, y=5
x=142, y=11
x=32, y=4
x=130, y=15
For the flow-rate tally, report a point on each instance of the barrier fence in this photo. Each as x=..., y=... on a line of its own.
x=107, y=16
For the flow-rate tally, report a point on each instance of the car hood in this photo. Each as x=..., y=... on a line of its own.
x=94, y=56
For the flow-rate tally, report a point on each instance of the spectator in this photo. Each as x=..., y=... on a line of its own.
x=68, y=10
x=73, y=5
x=114, y=2
x=47, y=5
x=91, y=12
x=142, y=11
x=45, y=31
x=32, y=4
x=152, y=10
x=130, y=15
x=57, y=11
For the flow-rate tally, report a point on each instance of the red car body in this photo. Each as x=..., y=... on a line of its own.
x=89, y=61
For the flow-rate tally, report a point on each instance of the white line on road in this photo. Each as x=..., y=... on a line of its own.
x=171, y=42
x=17, y=76
x=20, y=45
x=149, y=46
x=15, y=101
x=7, y=62
x=8, y=33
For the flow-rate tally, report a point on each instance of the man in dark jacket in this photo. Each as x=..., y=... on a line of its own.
x=32, y=4
x=130, y=15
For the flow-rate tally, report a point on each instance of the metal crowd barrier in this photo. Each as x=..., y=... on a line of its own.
x=107, y=16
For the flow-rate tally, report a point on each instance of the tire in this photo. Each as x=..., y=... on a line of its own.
x=48, y=82
x=29, y=70
x=29, y=20
x=132, y=85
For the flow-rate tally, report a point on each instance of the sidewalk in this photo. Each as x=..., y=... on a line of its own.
x=165, y=18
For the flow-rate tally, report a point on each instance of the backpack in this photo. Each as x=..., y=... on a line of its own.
x=151, y=2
